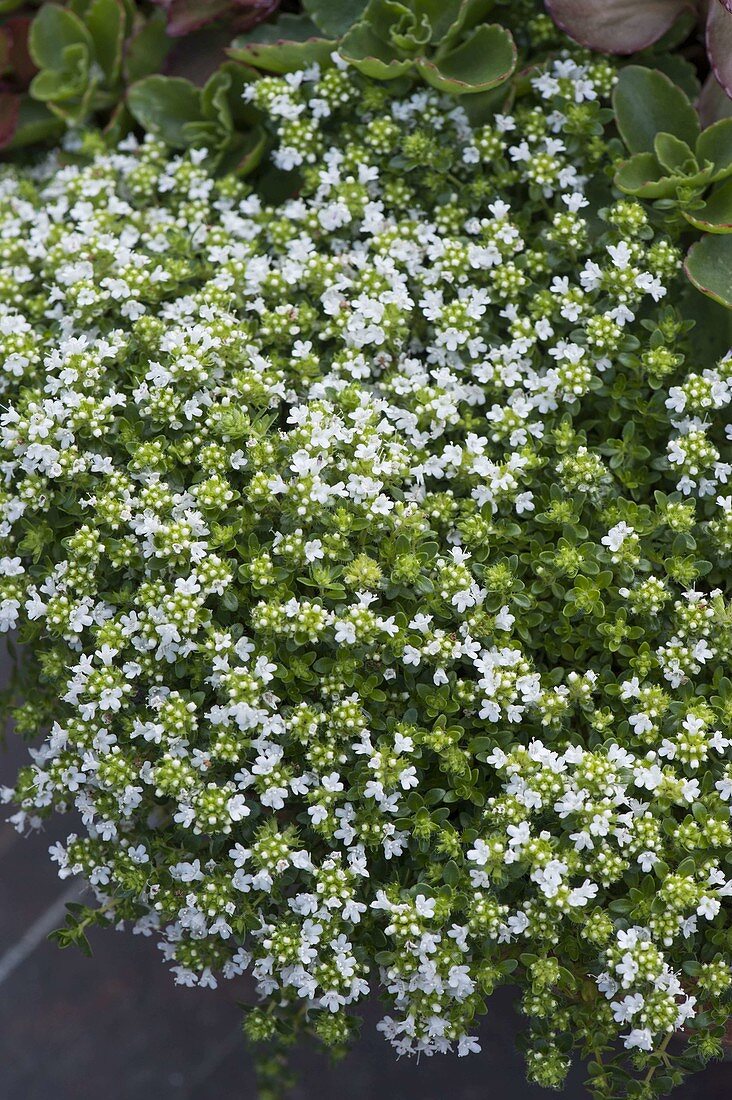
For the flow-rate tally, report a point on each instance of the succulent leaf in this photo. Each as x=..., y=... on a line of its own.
x=446, y=43
x=334, y=17
x=716, y=214
x=646, y=102
x=163, y=105
x=709, y=267
x=617, y=26
x=715, y=145
x=293, y=42
x=719, y=43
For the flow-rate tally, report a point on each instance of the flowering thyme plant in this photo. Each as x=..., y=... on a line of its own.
x=374, y=552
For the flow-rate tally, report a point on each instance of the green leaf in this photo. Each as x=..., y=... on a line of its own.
x=677, y=69
x=451, y=873
x=105, y=20
x=291, y=43
x=716, y=214
x=483, y=61
x=646, y=103
x=673, y=153
x=449, y=25
x=120, y=124
x=67, y=82
x=52, y=31
x=334, y=17
x=709, y=267
x=163, y=105
x=222, y=97
x=367, y=51
x=715, y=145
x=146, y=51
x=246, y=154
x=642, y=175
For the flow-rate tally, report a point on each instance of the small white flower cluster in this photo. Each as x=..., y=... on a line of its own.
x=365, y=647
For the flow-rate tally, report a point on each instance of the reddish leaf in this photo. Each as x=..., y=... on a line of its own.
x=9, y=111
x=21, y=62
x=713, y=103
x=185, y=16
x=617, y=26
x=719, y=44
x=5, y=44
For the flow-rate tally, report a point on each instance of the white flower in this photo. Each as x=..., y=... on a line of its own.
x=641, y=1038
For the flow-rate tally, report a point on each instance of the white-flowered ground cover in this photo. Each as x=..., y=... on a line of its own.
x=374, y=551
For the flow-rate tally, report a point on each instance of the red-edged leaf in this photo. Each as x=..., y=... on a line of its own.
x=726, y=4
x=709, y=267
x=713, y=103
x=9, y=111
x=719, y=44
x=185, y=16
x=617, y=26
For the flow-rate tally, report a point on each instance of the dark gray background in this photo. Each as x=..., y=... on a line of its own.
x=115, y=1027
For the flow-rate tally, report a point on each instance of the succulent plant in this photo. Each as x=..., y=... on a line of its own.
x=450, y=44
x=214, y=117
x=628, y=26
x=684, y=169
x=70, y=63
x=22, y=121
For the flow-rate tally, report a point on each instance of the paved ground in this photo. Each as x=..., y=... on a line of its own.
x=114, y=1026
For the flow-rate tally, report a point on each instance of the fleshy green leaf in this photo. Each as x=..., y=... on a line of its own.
x=68, y=81
x=334, y=17
x=371, y=55
x=677, y=69
x=449, y=27
x=147, y=49
x=716, y=214
x=483, y=61
x=246, y=154
x=53, y=30
x=222, y=96
x=163, y=105
x=105, y=21
x=295, y=46
x=673, y=153
x=646, y=103
x=709, y=267
x=715, y=145
x=642, y=175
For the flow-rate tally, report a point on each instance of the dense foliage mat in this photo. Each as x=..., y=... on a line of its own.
x=373, y=550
